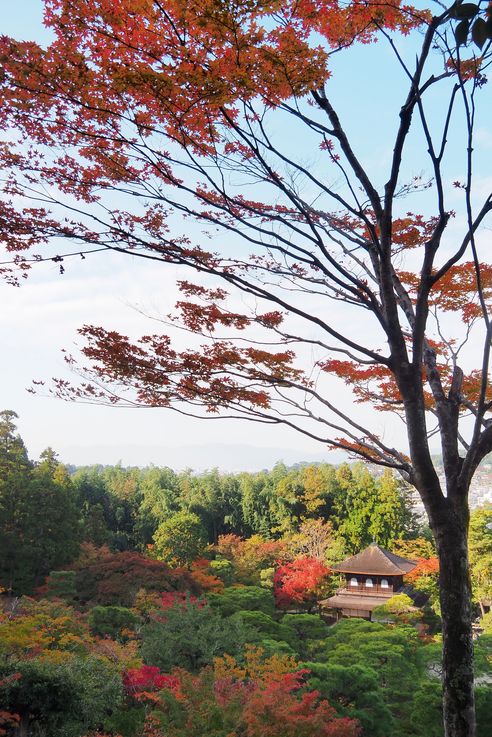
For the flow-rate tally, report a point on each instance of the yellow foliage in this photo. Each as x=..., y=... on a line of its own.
x=257, y=668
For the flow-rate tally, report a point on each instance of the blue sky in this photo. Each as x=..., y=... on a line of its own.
x=42, y=316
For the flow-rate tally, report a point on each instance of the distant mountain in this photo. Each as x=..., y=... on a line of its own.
x=226, y=457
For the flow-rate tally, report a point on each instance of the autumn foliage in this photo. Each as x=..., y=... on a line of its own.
x=263, y=697
x=301, y=582
x=424, y=567
x=110, y=578
x=147, y=678
x=145, y=128
x=250, y=556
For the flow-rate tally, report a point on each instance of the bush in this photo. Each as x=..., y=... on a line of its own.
x=223, y=569
x=110, y=621
x=190, y=635
x=306, y=633
x=263, y=625
x=353, y=691
x=61, y=698
x=116, y=578
x=243, y=598
x=61, y=585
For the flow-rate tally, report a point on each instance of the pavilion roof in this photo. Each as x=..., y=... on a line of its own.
x=361, y=602
x=376, y=560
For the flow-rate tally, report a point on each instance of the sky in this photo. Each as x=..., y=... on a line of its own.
x=41, y=317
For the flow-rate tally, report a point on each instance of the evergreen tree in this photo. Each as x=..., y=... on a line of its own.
x=38, y=516
x=15, y=509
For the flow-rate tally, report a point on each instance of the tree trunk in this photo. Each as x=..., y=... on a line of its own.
x=23, y=728
x=456, y=612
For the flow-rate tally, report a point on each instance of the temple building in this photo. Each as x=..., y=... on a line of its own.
x=371, y=578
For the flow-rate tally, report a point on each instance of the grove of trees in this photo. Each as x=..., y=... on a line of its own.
x=118, y=629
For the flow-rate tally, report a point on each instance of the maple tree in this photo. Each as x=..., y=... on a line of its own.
x=106, y=578
x=301, y=582
x=147, y=678
x=251, y=556
x=170, y=106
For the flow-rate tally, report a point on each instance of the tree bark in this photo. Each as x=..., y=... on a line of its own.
x=23, y=728
x=456, y=612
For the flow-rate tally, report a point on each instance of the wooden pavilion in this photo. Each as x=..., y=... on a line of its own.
x=371, y=578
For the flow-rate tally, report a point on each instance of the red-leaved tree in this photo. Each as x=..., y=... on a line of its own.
x=302, y=582
x=144, y=115
x=147, y=678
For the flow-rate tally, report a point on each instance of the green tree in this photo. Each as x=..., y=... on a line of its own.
x=160, y=494
x=399, y=608
x=306, y=633
x=95, y=505
x=15, y=510
x=355, y=692
x=370, y=508
x=426, y=714
x=393, y=655
x=243, y=598
x=215, y=498
x=191, y=635
x=263, y=627
x=61, y=585
x=180, y=540
x=480, y=554
x=39, y=527
x=60, y=697
x=111, y=621
x=54, y=533
x=257, y=492
x=123, y=487
x=223, y=569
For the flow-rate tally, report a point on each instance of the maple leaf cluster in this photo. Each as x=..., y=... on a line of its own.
x=147, y=678
x=424, y=567
x=299, y=582
x=217, y=376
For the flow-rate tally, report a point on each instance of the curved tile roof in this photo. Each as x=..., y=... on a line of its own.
x=361, y=602
x=376, y=560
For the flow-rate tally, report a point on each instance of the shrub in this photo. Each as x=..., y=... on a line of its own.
x=110, y=621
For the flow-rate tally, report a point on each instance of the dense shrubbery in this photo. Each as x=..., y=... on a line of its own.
x=107, y=578
x=173, y=665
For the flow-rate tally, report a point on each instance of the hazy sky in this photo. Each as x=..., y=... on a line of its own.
x=42, y=316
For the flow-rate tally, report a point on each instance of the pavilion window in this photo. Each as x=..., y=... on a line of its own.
x=369, y=583
x=384, y=583
x=353, y=581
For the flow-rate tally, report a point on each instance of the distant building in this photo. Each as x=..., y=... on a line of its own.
x=371, y=578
